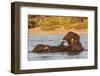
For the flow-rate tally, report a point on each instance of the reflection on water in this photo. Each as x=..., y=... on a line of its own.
x=54, y=40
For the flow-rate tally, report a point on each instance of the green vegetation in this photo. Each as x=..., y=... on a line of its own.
x=53, y=22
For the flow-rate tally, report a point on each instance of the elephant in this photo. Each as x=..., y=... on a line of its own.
x=74, y=46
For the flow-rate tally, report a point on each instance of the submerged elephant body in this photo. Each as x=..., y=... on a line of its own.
x=49, y=49
x=74, y=45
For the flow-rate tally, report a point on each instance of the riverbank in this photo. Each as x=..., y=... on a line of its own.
x=38, y=31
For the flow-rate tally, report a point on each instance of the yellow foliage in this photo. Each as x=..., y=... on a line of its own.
x=53, y=22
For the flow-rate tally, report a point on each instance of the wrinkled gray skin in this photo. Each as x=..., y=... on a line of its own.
x=74, y=45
